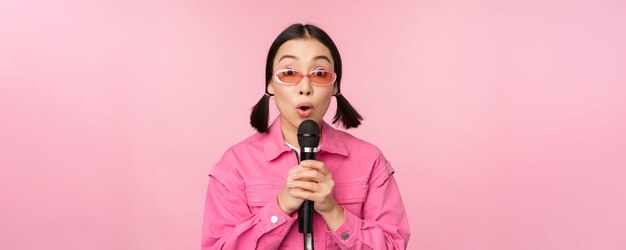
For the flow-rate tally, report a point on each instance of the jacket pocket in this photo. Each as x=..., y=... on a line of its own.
x=351, y=195
x=350, y=191
x=259, y=193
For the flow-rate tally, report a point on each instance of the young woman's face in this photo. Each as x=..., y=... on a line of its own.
x=303, y=56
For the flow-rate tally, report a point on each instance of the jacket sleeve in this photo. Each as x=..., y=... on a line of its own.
x=228, y=221
x=384, y=224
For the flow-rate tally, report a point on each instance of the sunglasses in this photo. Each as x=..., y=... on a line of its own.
x=319, y=77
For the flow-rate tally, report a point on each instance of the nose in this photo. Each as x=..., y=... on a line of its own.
x=304, y=87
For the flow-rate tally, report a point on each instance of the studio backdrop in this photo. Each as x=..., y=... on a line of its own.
x=504, y=120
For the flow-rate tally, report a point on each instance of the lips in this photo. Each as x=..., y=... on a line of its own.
x=304, y=109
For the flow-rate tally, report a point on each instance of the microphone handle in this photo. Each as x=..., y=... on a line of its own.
x=305, y=217
x=305, y=213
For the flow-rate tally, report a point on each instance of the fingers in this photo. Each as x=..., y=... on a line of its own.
x=310, y=170
x=317, y=165
x=305, y=185
x=308, y=175
x=306, y=195
x=310, y=180
x=310, y=164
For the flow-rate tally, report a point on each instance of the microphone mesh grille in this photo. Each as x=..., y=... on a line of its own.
x=308, y=134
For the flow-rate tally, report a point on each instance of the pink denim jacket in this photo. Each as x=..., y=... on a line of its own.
x=241, y=210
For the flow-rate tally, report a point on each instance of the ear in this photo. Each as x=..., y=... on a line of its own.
x=335, y=89
x=270, y=89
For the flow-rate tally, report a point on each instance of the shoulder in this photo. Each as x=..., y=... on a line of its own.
x=359, y=146
x=228, y=169
x=369, y=154
x=251, y=143
x=251, y=146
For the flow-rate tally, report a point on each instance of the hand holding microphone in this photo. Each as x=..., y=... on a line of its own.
x=308, y=181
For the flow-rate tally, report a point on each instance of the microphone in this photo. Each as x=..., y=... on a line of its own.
x=309, y=139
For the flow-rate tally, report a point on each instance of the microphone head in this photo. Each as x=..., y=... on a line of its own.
x=308, y=134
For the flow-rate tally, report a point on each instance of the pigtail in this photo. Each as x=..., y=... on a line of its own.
x=260, y=114
x=349, y=117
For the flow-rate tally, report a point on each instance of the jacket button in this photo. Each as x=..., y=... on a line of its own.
x=344, y=236
x=274, y=219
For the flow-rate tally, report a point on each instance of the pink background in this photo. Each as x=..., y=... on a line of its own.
x=504, y=119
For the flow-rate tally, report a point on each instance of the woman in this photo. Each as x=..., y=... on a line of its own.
x=257, y=186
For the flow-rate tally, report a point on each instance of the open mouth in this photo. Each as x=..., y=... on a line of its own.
x=304, y=108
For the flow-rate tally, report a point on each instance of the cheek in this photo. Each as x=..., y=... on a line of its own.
x=324, y=104
x=281, y=98
x=280, y=90
x=280, y=103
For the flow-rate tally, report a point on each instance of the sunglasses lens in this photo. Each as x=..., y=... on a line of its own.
x=290, y=76
x=322, y=77
x=319, y=77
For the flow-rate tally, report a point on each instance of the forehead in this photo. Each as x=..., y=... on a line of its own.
x=305, y=49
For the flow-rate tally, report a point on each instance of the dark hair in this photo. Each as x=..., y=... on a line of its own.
x=348, y=116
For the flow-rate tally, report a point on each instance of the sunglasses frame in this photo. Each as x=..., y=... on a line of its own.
x=275, y=74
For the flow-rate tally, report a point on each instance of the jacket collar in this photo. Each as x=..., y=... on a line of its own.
x=275, y=144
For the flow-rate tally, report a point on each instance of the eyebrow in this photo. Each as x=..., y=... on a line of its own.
x=294, y=57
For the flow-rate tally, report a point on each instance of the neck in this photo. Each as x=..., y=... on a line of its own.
x=290, y=132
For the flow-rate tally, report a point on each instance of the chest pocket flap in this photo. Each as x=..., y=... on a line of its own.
x=350, y=192
x=260, y=193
